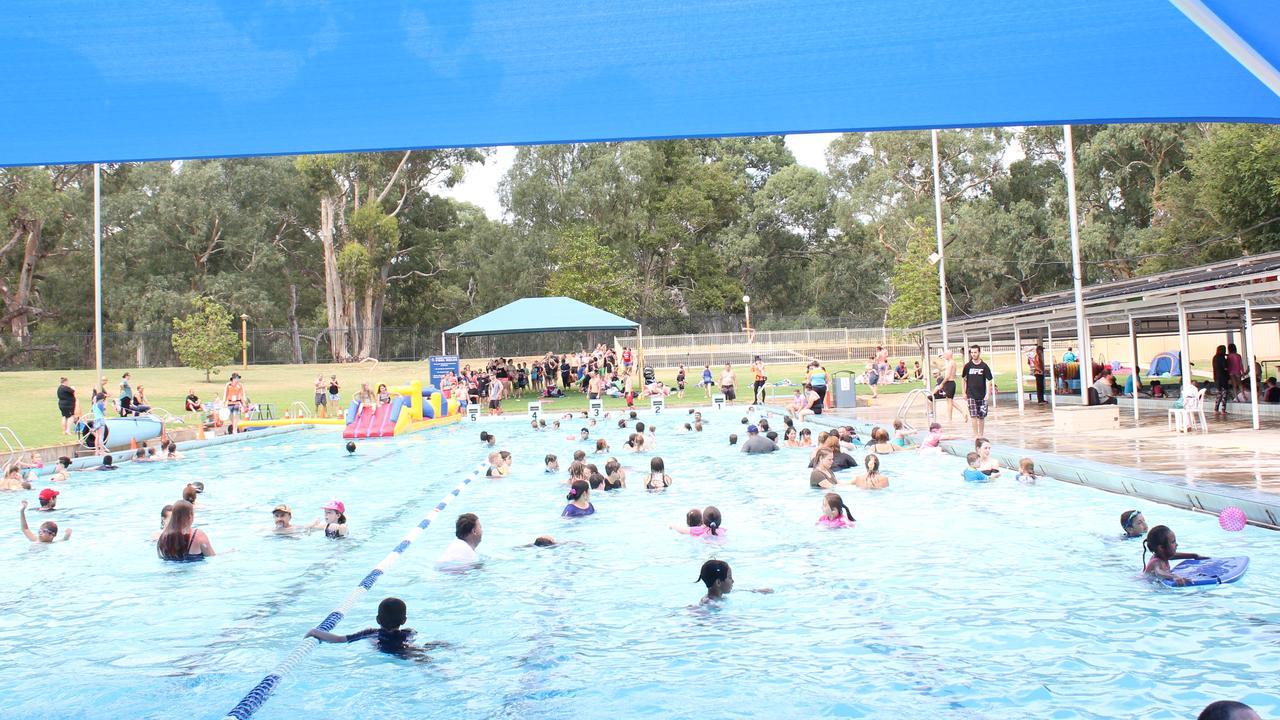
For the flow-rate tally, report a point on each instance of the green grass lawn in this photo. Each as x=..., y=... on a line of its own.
x=31, y=407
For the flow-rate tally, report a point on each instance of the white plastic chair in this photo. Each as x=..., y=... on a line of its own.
x=1185, y=418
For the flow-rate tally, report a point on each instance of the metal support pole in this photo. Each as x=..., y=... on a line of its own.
x=1184, y=346
x=97, y=271
x=924, y=364
x=1249, y=358
x=1137, y=371
x=444, y=348
x=1082, y=328
x=244, y=342
x=937, y=223
x=455, y=347
x=1053, y=381
x=1017, y=361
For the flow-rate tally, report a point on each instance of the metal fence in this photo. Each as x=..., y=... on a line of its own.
x=830, y=344
x=822, y=338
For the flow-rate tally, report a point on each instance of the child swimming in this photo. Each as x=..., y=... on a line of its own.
x=711, y=520
x=1026, y=472
x=1163, y=545
x=1133, y=523
x=933, y=440
x=972, y=473
x=872, y=479
x=658, y=477
x=334, y=521
x=48, y=531
x=692, y=524
x=835, y=514
x=389, y=636
x=552, y=464
x=900, y=433
x=718, y=577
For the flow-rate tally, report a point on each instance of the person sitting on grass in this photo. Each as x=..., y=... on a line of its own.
x=389, y=637
x=48, y=530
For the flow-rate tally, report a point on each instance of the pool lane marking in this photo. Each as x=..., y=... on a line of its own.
x=256, y=697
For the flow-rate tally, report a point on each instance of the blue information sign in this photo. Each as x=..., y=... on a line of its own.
x=438, y=365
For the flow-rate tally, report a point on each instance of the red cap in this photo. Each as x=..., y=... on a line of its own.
x=48, y=493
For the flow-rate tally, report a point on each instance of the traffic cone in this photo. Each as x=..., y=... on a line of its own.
x=133, y=443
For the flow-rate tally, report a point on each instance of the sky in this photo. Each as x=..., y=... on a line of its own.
x=480, y=186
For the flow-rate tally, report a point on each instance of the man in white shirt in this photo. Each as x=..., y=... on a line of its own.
x=462, y=551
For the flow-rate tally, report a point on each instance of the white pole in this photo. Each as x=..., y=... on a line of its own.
x=1184, y=346
x=97, y=270
x=937, y=223
x=1082, y=329
x=444, y=349
x=455, y=346
x=1229, y=40
x=1133, y=346
x=1249, y=358
x=1017, y=361
x=1053, y=382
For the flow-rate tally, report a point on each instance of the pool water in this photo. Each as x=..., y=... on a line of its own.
x=947, y=600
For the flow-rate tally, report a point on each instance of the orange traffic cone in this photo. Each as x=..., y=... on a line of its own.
x=133, y=443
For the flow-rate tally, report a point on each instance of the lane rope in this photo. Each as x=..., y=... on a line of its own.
x=256, y=697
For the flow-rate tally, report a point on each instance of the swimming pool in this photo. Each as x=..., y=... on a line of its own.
x=948, y=600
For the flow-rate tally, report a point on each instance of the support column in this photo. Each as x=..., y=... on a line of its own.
x=1184, y=345
x=1249, y=358
x=937, y=223
x=1082, y=326
x=1053, y=372
x=1133, y=347
x=1017, y=362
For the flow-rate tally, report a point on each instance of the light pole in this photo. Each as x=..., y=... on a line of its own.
x=244, y=343
x=746, y=303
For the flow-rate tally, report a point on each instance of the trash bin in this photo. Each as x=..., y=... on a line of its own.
x=844, y=391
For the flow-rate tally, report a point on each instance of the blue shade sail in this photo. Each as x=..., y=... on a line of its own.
x=546, y=314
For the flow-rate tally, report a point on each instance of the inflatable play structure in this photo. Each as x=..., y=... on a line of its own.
x=1165, y=364
x=412, y=407
x=1068, y=375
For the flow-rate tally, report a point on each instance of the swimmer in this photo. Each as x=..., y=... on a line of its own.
x=492, y=440
x=835, y=514
x=733, y=439
x=616, y=477
x=791, y=438
x=60, y=471
x=900, y=433
x=389, y=637
x=658, y=478
x=806, y=437
x=199, y=486
x=579, y=498
x=180, y=541
x=13, y=480
x=165, y=512
x=972, y=473
x=821, y=475
x=1026, y=472
x=872, y=479
x=189, y=493
x=1133, y=523
x=711, y=520
x=579, y=455
x=577, y=471
x=718, y=577
x=48, y=531
x=1228, y=710
x=555, y=425
x=351, y=448
x=547, y=541
x=552, y=465
x=48, y=500
x=622, y=424
x=484, y=436
x=140, y=455
x=635, y=442
x=467, y=534
x=334, y=521
x=496, y=467
x=283, y=520
x=932, y=441
x=595, y=480
x=171, y=451
x=692, y=524
x=602, y=446
x=583, y=435
x=880, y=442
x=1163, y=545
x=107, y=464
x=986, y=463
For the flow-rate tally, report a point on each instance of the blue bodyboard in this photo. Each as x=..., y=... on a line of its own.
x=1214, y=571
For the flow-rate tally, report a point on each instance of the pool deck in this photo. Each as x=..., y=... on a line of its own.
x=1231, y=453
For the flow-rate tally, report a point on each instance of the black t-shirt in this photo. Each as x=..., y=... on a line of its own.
x=840, y=461
x=1272, y=395
x=66, y=396
x=975, y=379
x=388, y=641
x=1221, y=374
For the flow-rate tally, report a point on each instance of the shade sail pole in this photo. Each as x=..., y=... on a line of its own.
x=1017, y=363
x=1229, y=40
x=937, y=224
x=1082, y=329
x=1137, y=372
x=97, y=271
x=1253, y=367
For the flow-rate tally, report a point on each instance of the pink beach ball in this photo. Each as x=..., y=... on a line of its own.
x=1233, y=519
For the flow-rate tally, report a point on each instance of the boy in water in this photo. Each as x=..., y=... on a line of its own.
x=390, y=636
x=1134, y=525
x=48, y=530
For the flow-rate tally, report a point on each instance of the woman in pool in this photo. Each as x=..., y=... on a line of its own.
x=718, y=577
x=821, y=476
x=334, y=521
x=791, y=438
x=872, y=479
x=1163, y=545
x=579, y=498
x=658, y=478
x=986, y=464
x=602, y=446
x=835, y=514
x=692, y=524
x=616, y=476
x=880, y=442
x=180, y=542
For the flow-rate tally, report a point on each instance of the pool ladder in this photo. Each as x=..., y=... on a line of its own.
x=10, y=439
x=904, y=408
x=299, y=409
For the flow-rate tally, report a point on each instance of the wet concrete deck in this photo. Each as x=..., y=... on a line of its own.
x=1232, y=452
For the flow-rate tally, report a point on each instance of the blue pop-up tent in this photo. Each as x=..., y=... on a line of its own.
x=93, y=81
x=544, y=314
